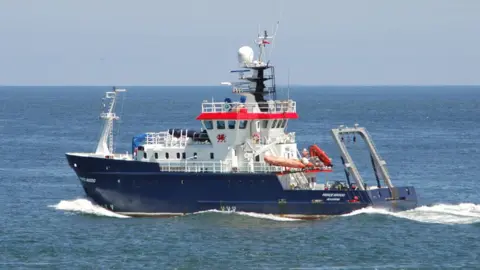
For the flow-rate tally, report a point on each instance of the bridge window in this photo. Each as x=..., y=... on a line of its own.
x=212, y=156
x=184, y=156
x=145, y=155
x=279, y=123
x=221, y=124
x=264, y=123
x=156, y=155
x=274, y=123
x=243, y=124
x=208, y=124
x=284, y=123
x=166, y=156
x=178, y=155
x=257, y=158
x=231, y=124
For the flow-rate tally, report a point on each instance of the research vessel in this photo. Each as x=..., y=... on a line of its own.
x=241, y=159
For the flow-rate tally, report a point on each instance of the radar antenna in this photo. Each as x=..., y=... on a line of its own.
x=262, y=41
x=260, y=72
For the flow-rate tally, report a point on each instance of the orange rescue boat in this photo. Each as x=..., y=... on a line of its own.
x=284, y=162
x=316, y=151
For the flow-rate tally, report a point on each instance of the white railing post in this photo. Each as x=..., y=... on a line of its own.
x=277, y=106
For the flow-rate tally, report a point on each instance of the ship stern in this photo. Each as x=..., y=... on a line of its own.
x=395, y=199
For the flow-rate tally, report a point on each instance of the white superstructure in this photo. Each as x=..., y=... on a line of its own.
x=235, y=135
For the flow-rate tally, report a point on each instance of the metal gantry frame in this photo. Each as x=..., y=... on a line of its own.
x=379, y=165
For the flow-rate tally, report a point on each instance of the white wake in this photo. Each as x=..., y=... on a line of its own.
x=249, y=214
x=85, y=206
x=463, y=213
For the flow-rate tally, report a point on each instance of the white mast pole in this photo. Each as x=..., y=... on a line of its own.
x=105, y=143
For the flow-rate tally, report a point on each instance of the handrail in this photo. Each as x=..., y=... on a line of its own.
x=166, y=139
x=277, y=106
x=215, y=167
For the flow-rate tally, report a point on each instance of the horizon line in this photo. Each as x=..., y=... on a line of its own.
x=226, y=86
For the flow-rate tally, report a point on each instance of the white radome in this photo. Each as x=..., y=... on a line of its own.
x=245, y=56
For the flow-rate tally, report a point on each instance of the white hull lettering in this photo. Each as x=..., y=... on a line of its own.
x=88, y=180
x=333, y=194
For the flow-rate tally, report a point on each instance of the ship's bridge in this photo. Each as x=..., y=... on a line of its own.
x=237, y=129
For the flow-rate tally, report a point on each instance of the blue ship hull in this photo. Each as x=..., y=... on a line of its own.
x=137, y=188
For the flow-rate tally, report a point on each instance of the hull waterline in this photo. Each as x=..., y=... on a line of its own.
x=140, y=189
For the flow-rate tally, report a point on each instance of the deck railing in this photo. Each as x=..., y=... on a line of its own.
x=166, y=139
x=215, y=167
x=277, y=106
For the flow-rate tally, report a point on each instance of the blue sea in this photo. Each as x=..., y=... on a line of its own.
x=429, y=137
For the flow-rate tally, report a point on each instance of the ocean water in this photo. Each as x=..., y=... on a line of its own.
x=429, y=137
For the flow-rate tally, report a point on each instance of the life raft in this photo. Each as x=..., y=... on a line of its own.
x=316, y=151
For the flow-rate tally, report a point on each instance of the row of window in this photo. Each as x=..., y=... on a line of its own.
x=232, y=124
x=212, y=156
x=167, y=155
x=277, y=123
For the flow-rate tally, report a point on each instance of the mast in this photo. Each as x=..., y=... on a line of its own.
x=105, y=142
x=262, y=71
x=261, y=74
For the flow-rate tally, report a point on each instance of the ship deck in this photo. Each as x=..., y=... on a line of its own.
x=197, y=166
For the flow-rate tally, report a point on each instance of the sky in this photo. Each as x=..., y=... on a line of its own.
x=181, y=42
